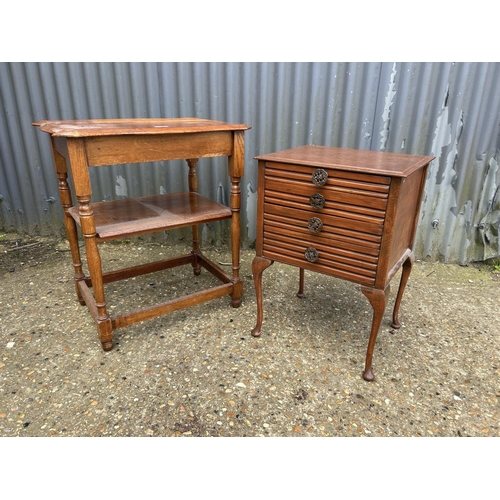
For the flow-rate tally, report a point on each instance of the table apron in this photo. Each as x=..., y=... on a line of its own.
x=115, y=150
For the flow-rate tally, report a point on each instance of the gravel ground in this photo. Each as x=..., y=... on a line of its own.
x=199, y=372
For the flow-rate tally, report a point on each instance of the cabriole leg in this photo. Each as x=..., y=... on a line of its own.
x=405, y=274
x=258, y=266
x=378, y=301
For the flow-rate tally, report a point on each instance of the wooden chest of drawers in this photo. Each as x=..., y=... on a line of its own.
x=346, y=213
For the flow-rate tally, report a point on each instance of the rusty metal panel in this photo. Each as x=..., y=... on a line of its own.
x=449, y=110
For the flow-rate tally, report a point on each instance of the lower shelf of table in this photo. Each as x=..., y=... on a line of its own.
x=135, y=216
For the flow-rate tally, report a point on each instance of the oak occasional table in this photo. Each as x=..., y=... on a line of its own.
x=82, y=144
x=346, y=213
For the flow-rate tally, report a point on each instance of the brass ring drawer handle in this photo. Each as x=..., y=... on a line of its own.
x=315, y=225
x=311, y=254
x=319, y=177
x=317, y=201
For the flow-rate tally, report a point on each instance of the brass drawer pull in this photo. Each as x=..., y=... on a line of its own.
x=311, y=254
x=317, y=201
x=315, y=225
x=319, y=177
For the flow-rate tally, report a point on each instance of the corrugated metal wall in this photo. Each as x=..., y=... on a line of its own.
x=449, y=110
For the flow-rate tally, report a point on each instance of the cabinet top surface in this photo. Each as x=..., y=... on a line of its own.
x=132, y=126
x=354, y=160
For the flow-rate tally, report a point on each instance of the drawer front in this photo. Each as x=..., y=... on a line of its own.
x=334, y=228
x=358, y=191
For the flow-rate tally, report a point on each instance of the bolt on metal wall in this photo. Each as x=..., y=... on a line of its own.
x=448, y=110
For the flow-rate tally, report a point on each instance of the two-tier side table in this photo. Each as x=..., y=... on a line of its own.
x=82, y=144
x=346, y=213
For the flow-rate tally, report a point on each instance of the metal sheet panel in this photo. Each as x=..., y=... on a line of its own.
x=449, y=110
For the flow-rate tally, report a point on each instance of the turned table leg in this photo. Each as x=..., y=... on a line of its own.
x=378, y=301
x=69, y=222
x=235, y=170
x=235, y=201
x=193, y=188
x=405, y=274
x=258, y=266
x=95, y=269
x=300, y=293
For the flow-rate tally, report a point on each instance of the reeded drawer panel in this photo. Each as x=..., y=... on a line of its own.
x=341, y=188
x=289, y=171
x=299, y=217
x=343, y=253
x=360, y=243
x=326, y=263
x=303, y=201
x=348, y=257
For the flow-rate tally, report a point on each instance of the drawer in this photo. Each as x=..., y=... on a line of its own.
x=303, y=201
x=287, y=242
x=362, y=243
x=354, y=191
x=345, y=253
x=330, y=219
x=326, y=262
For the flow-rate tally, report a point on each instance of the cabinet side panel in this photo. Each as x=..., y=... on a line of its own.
x=407, y=214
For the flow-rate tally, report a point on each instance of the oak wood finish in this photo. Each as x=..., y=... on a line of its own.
x=137, y=216
x=81, y=144
x=346, y=213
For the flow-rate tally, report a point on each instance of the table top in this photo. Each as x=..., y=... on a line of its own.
x=354, y=160
x=134, y=126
